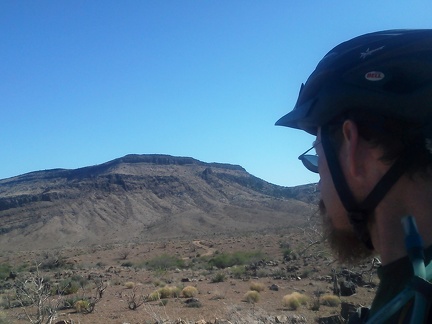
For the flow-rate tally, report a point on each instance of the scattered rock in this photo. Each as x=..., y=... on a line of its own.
x=193, y=302
x=274, y=287
x=347, y=309
x=201, y=322
x=281, y=319
x=347, y=288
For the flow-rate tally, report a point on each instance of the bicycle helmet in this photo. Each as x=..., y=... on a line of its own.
x=388, y=73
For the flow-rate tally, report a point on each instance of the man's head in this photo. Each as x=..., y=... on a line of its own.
x=370, y=95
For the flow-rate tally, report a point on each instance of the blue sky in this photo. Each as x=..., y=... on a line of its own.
x=85, y=82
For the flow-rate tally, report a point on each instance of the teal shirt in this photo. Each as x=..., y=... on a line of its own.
x=393, y=279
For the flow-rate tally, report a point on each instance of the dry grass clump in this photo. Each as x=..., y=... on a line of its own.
x=154, y=296
x=217, y=295
x=129, y=284
x=164, y=292
x=252, y=296
x=330, y=300
x=294, y=300
x=82, y=306
x=189, y=291
x=256, y=286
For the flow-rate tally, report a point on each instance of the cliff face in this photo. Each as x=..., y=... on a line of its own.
x=140, y=197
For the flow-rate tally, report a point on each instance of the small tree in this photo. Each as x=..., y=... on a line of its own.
x=134, y=301
x=35, y=292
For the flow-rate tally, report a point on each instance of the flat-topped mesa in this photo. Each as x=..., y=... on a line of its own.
x=162, y=159
x=95, y=170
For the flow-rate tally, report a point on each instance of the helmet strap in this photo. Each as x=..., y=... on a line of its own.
x=358, y=212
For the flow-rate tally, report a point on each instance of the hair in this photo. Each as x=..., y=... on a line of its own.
x=393, y=136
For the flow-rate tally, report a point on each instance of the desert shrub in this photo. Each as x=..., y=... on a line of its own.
x=80, y=280
x=290, y=302
x=163, y=302
x=284, y=245
x=219, y=277
x=279, y=273
x=164, y=262
x=175, y=291
x=287, y=253
x=262, y=273
x=294, y=300
x=225, y=260
x=330, y=300
x=5, y=301
x=4, y=319
x=189, y=291
x=251, y=296
x=129, y=284
x=217, y=295
x=315, y=305
x=68, y=303
x=127, y=264
x=155, y=295
x=159, y=283
x=305, y=273
x=257, y=286
x=5, y=270
x=53, y=260
x=100, y=264
x=67, y=287
x=164, y=292
x=194, y=303
x=82, y=306
x=238, y=272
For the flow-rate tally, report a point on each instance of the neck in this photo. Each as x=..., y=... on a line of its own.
x=408, y=197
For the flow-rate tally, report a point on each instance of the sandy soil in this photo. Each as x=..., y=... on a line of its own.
x=309, y=274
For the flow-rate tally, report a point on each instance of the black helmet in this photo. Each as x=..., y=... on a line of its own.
x=387, y=72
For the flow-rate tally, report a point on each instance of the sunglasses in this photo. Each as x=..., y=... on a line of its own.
x=310, y=161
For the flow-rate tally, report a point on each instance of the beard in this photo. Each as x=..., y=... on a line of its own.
x=345, y=244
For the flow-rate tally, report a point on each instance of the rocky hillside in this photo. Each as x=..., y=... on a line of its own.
x=142, y=197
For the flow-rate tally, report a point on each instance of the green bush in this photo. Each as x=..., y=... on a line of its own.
x=67, y=287
x=225, y=260
x=5, y=270
x=287, y=253
x=238, y=272
x=53, y=260
x=4, y=319
x=219, y=277
x=164, y=262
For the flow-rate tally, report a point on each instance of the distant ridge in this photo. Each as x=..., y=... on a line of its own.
x=138, y=197
x=157, y=159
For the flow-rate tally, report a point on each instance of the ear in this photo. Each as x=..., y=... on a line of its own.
x=353, y=150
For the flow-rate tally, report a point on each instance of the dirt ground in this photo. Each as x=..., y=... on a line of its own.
x=309, y=272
